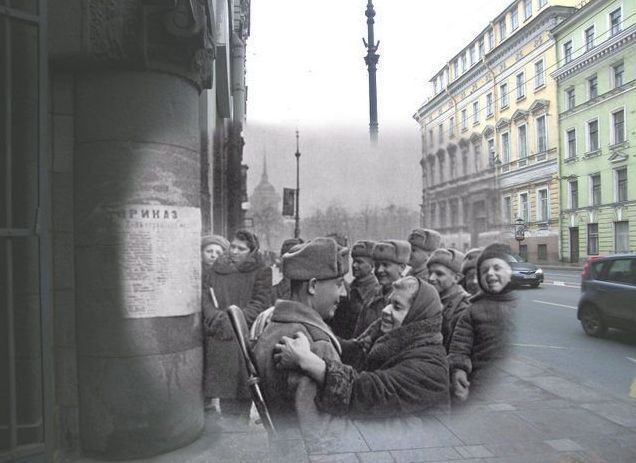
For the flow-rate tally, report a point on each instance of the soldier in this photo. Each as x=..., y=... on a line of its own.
x=389, y=258
x=469, y=270
x=315, y=270
x=362, y=289
x=444, y=267
x=423, y=242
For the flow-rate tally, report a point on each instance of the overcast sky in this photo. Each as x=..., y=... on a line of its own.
x=305, y=69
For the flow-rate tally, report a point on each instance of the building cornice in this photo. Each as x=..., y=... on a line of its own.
x=610, y=47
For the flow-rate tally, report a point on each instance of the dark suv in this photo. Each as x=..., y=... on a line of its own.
x=608, y=294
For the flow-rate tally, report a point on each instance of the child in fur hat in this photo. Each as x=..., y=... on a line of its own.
x=481, y=335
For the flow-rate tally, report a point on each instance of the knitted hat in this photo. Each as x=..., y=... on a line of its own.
x=362, y=249
x=498, y=250
x=470, y=259
x=288, y=244
x=397, y=251
x=426, y=239
x=319, y=258
x=448, y=257
x=214, y=239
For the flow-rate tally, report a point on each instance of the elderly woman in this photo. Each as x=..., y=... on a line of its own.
x=481, y=335
x=238, y=277
x=402, y=371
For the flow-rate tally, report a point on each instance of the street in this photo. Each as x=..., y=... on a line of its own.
x=549, y=332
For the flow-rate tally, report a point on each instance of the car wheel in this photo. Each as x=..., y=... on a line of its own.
x=592, y=322
x=535, y=285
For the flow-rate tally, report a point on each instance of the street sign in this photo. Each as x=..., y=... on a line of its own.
x=289, y=202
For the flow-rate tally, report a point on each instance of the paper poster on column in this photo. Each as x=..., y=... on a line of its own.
x=160, y=260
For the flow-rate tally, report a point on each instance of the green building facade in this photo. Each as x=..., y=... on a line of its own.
x=596, y=78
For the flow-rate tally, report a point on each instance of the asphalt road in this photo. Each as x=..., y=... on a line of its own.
x=547, y=331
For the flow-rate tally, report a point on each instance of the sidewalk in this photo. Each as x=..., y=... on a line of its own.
x=532, y=414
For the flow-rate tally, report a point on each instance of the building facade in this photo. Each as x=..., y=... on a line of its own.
x=489, y=138
x=121, y=144
x=596, y=81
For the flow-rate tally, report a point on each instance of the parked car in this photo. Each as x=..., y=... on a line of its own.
x=608, y=294
x=524, y=273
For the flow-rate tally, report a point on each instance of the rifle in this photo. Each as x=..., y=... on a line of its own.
x=237, y=319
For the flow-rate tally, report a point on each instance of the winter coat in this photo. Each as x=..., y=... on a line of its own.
x=481, y=336
x=372, y=310
x=360, y=292
x=248, y=286
x=289, y=394
x=454, y=302
x=404, y=372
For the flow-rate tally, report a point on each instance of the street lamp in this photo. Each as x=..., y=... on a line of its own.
x=297, y=218
x=520, y=231
x=372, y=61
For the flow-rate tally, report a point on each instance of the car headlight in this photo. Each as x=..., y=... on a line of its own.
x=539, y=270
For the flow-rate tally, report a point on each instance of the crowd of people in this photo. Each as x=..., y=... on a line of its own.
x=418, y=328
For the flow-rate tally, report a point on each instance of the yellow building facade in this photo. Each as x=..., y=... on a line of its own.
x=490, y=135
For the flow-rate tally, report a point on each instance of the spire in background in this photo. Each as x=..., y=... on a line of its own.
x=264, y=176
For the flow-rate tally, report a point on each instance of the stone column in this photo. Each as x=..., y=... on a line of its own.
x=139, y=68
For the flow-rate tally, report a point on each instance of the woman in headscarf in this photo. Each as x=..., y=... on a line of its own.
x=238, y=277
x=212, y=247
x=481, y=336
x=401, y=370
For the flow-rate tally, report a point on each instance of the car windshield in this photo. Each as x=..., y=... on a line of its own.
x=514, y=258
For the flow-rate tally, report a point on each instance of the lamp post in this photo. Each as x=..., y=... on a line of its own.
x=297, y=218
x=520, y=231
x=372, y=60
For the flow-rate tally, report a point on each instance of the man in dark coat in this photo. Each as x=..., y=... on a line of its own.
x=423, y=242
x=281, y=290
x=389, y=258
x=404, y=371
x=316, y=270
x=363, y=287
x=444, y=275
x=469, y=271
x=481, y=336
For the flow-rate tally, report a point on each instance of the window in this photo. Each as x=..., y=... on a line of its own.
x=621, y=243
x=477, y=158
x=451, y=127
x=454, y=212
x=471, y=53
x=442, y=214
x=592, y=135
x=440, y=133
x=480, y=48
x=589, y=38
x=621, y=184
x=570, y=98
x=463, y=114
x=514, y=18
x=592, y=87
x=573, y=186
x=453, y=166
x=618, y=71
x=595, y=182
x=542, y=136
x=491, y=150
x=524, y=207
x=502, y=29
x=491, y=40
x=430, y=137
x=521, y=86
x=464, y=163
x=433, y=214
x=539, y=74
x=462, y=63
x=527, y=9
x=592, y=239
x=522, y=140
x=507, y=209
x=542, y=251
x=567, y=51
x=615, y=18
x=505, y=147
x=503, y=98
x=542, y=3
x=570, y=135
x=543, y=209
x=475, y=112
x=618, y=126
x=489, y=108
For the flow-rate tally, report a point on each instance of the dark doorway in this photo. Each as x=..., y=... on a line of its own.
x=574, y=244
